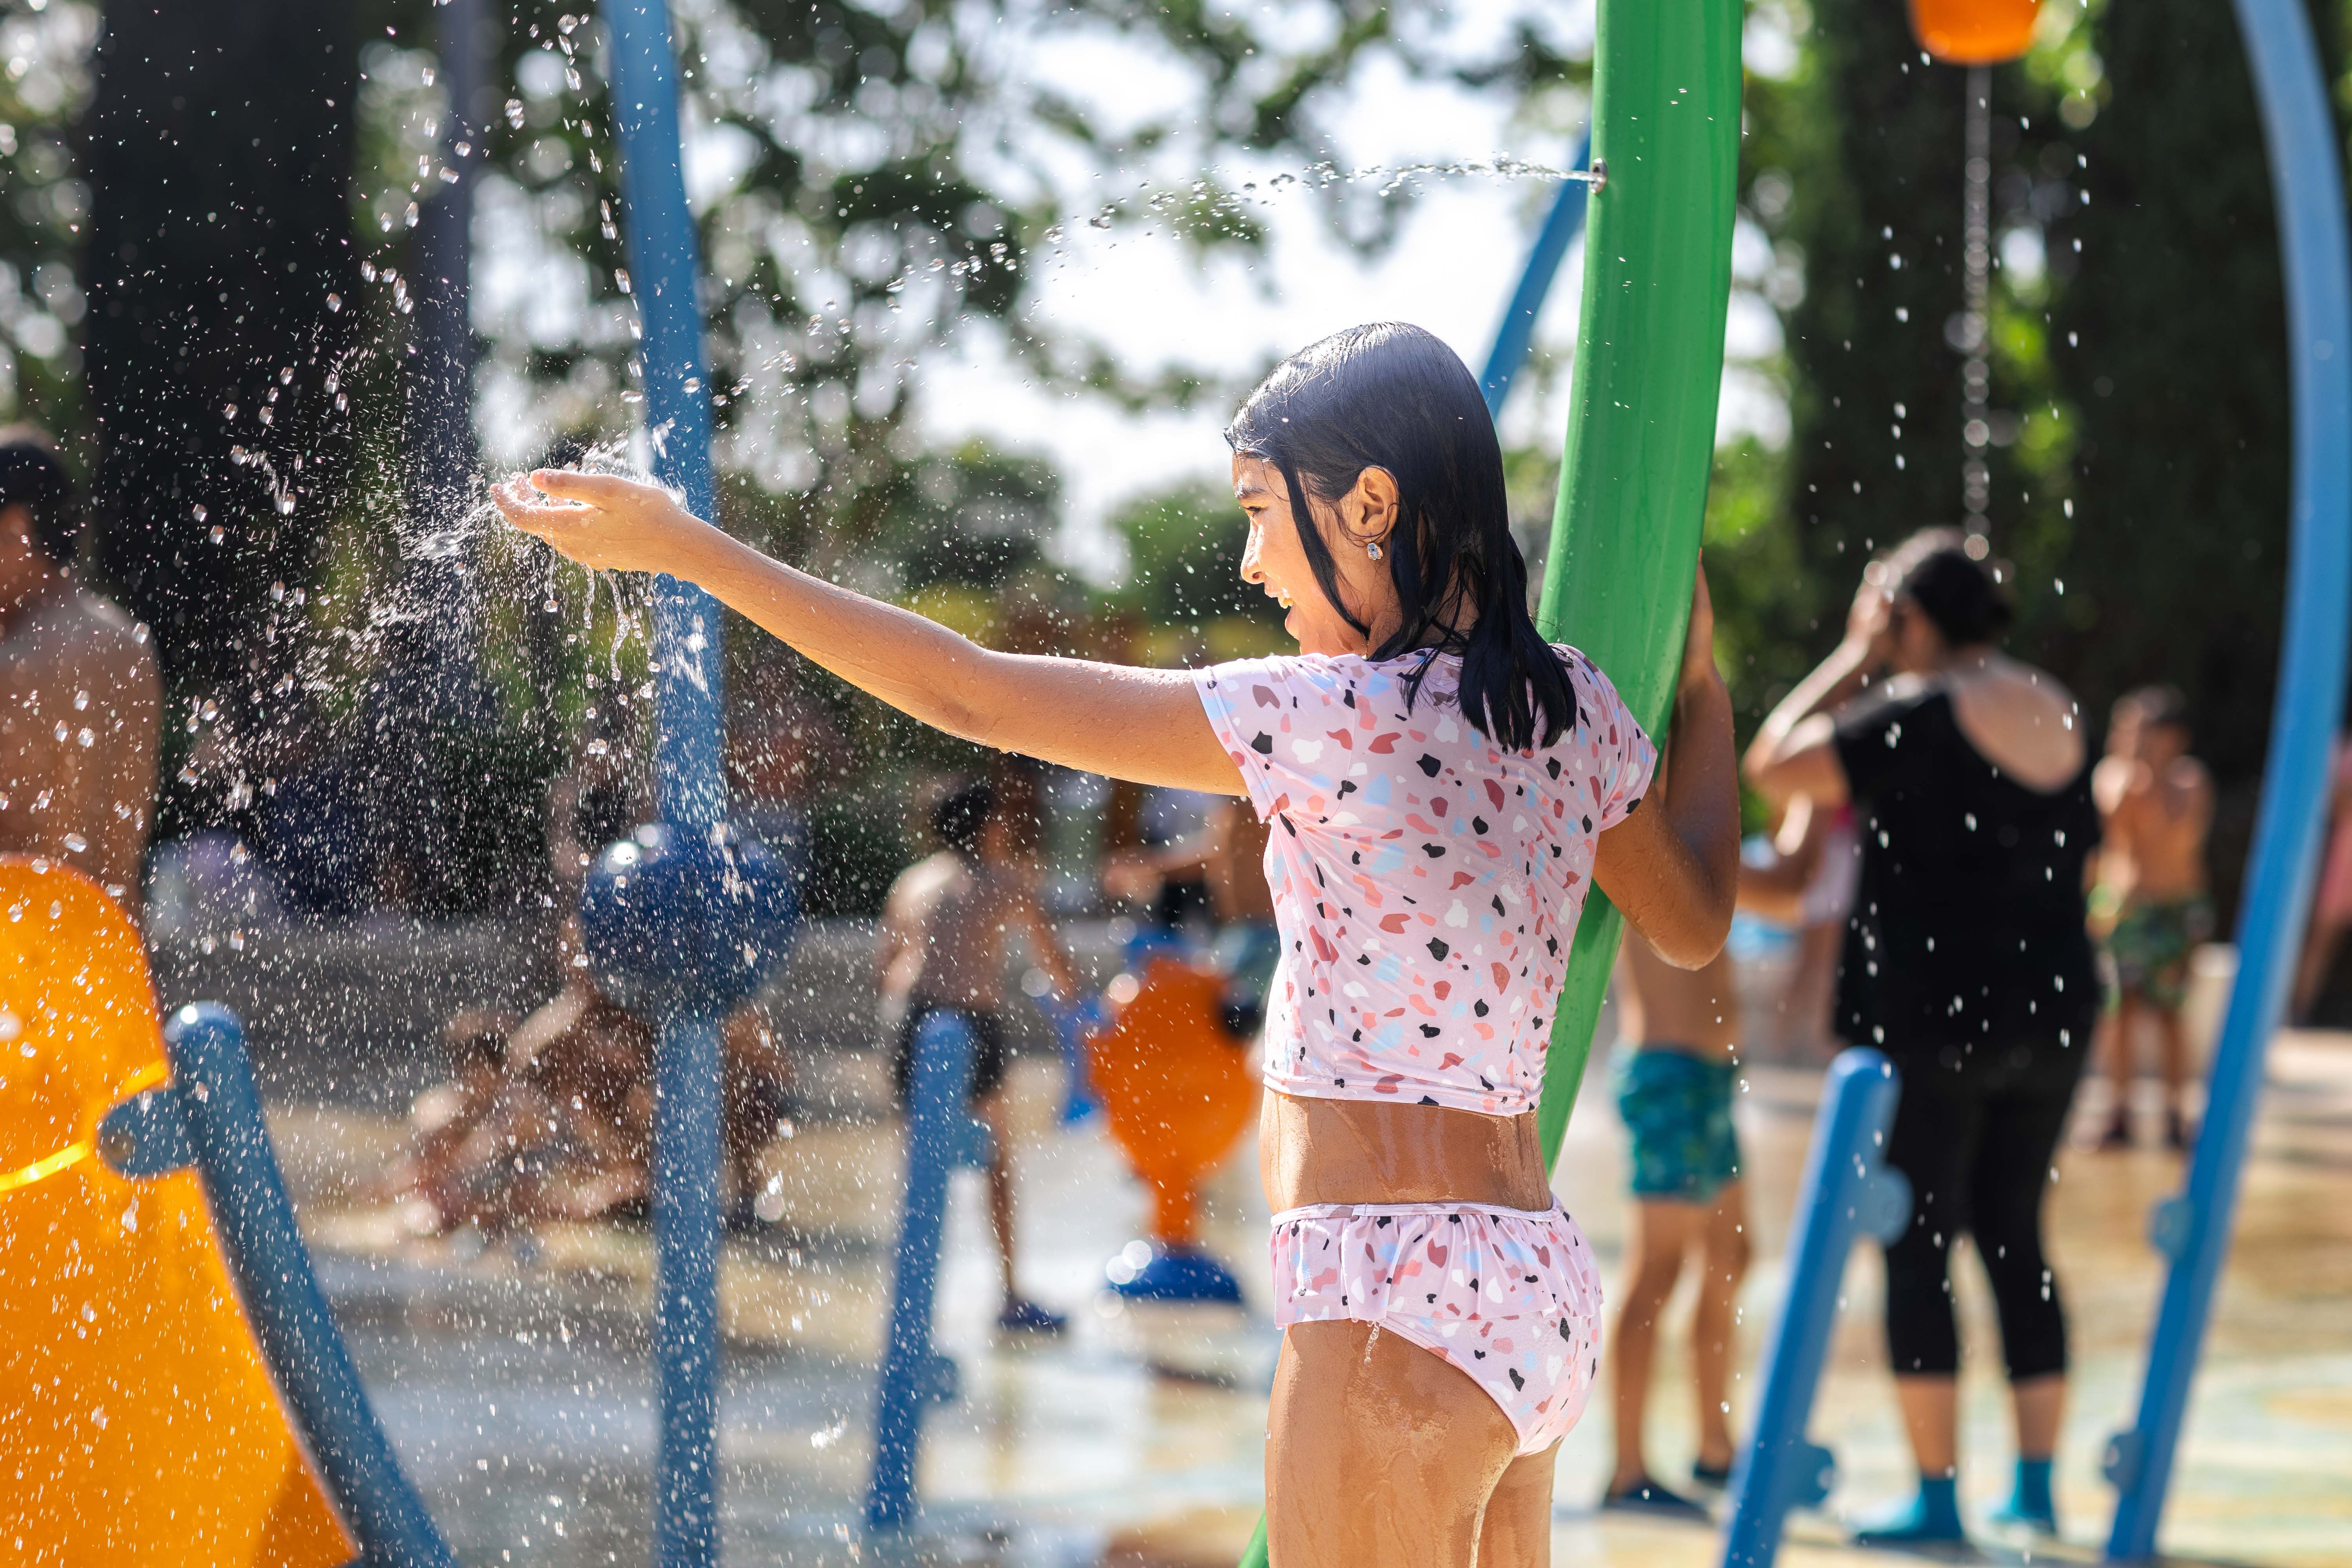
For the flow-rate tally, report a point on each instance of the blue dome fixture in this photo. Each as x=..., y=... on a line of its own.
x=675, y=919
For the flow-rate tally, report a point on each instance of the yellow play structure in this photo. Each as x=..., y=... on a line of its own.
x=138, y=1421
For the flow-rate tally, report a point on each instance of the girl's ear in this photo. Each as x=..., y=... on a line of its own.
x=1369, y=512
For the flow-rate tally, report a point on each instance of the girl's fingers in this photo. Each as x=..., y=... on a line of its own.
x=587, y=489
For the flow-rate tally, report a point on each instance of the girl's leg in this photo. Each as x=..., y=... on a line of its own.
x=1379, y=1455
x=1516, y=1530
x=1723, y=1264
x=1653, y=1260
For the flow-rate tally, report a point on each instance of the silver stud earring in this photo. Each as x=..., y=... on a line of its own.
x=1373, y=549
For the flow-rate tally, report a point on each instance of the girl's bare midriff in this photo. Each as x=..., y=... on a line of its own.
x=1359, y=1152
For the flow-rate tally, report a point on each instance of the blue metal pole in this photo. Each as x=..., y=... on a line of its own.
x=692, y=793
x=2193, y=1228
x=940, y=1135
x=1560, y=227
x=1847, y=1191
x=219, y=1107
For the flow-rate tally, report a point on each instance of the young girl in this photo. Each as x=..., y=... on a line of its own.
x=1444, y=787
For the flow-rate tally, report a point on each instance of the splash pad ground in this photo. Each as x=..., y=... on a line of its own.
x=512, y=1374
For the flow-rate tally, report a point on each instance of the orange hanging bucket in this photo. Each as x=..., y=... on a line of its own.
x=1974, y=32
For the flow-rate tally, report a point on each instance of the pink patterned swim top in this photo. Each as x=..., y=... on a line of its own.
x=1426, y=882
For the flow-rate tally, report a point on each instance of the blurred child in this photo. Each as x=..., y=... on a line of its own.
x=2150, y=904
x=81, y=697
x=2331, y=906
x=942, y=950
x=1229, y=853
x=1808, y=883
x=1673, y=1080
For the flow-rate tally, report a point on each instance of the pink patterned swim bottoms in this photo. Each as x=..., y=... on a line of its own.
x=1508, y=1296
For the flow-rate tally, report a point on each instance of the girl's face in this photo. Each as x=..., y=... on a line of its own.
x=1275, y=561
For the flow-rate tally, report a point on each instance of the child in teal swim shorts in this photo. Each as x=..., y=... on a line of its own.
x=1675, y=1079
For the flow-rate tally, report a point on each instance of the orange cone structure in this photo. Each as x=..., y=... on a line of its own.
x=1176, y=1089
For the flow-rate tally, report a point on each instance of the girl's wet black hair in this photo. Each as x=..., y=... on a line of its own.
x=1958, y=592
x=1392, y=397
x=34, y=477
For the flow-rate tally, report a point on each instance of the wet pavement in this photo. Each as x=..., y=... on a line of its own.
x=512, y=1374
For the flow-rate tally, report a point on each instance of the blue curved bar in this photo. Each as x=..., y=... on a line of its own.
x=1560, y=227
x=221, y=1110
x=692, y=792
x=2194, y=1227
x=1847, y=1191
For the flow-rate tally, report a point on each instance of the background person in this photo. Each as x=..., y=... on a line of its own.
x=1808, y=883
x=2150, y=906
x=80, y=698
x=1967, y=961
x=943, y=933
x=1229, y=853
x=2331, y=905
x=1673, y=1078
x=1426, y=745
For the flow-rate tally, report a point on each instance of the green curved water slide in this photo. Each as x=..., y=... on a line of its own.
x=1641, y=403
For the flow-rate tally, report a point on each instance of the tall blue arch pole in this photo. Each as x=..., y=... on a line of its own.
x=1560, y=227
x=662, y=254
x=2193, y=1228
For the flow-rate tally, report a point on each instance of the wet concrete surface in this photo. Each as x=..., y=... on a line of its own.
x=512, y=1372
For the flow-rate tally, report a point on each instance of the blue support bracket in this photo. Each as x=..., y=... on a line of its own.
x=1518, y=328
x=1847, y=1193
x=219, y=1120
x=144, y=1136
x=940, y=1135
x=2192, y=1228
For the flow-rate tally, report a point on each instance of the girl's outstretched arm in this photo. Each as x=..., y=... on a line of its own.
x=1116, y=719
x=1672, y=867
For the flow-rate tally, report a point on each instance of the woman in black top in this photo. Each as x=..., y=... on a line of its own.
x=1965, y=960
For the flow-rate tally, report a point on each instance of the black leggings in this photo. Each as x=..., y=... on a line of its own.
x=1974, y=1132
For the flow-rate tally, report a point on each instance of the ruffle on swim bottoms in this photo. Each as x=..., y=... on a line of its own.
x=1443, y=1261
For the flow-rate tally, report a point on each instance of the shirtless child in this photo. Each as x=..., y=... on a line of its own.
x=1674, y=1083
x=2150, y=907
x=942, y=950
x=80, y=701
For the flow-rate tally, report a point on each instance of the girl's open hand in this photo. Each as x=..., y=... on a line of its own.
x=602, y=520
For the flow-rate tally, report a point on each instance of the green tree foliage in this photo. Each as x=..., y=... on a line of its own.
x=2173, y=347
x=879, y=181
x=223, y=292
x=2139, y=369
x=43, y=94
x=1183, y=568
x=1854, y=165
